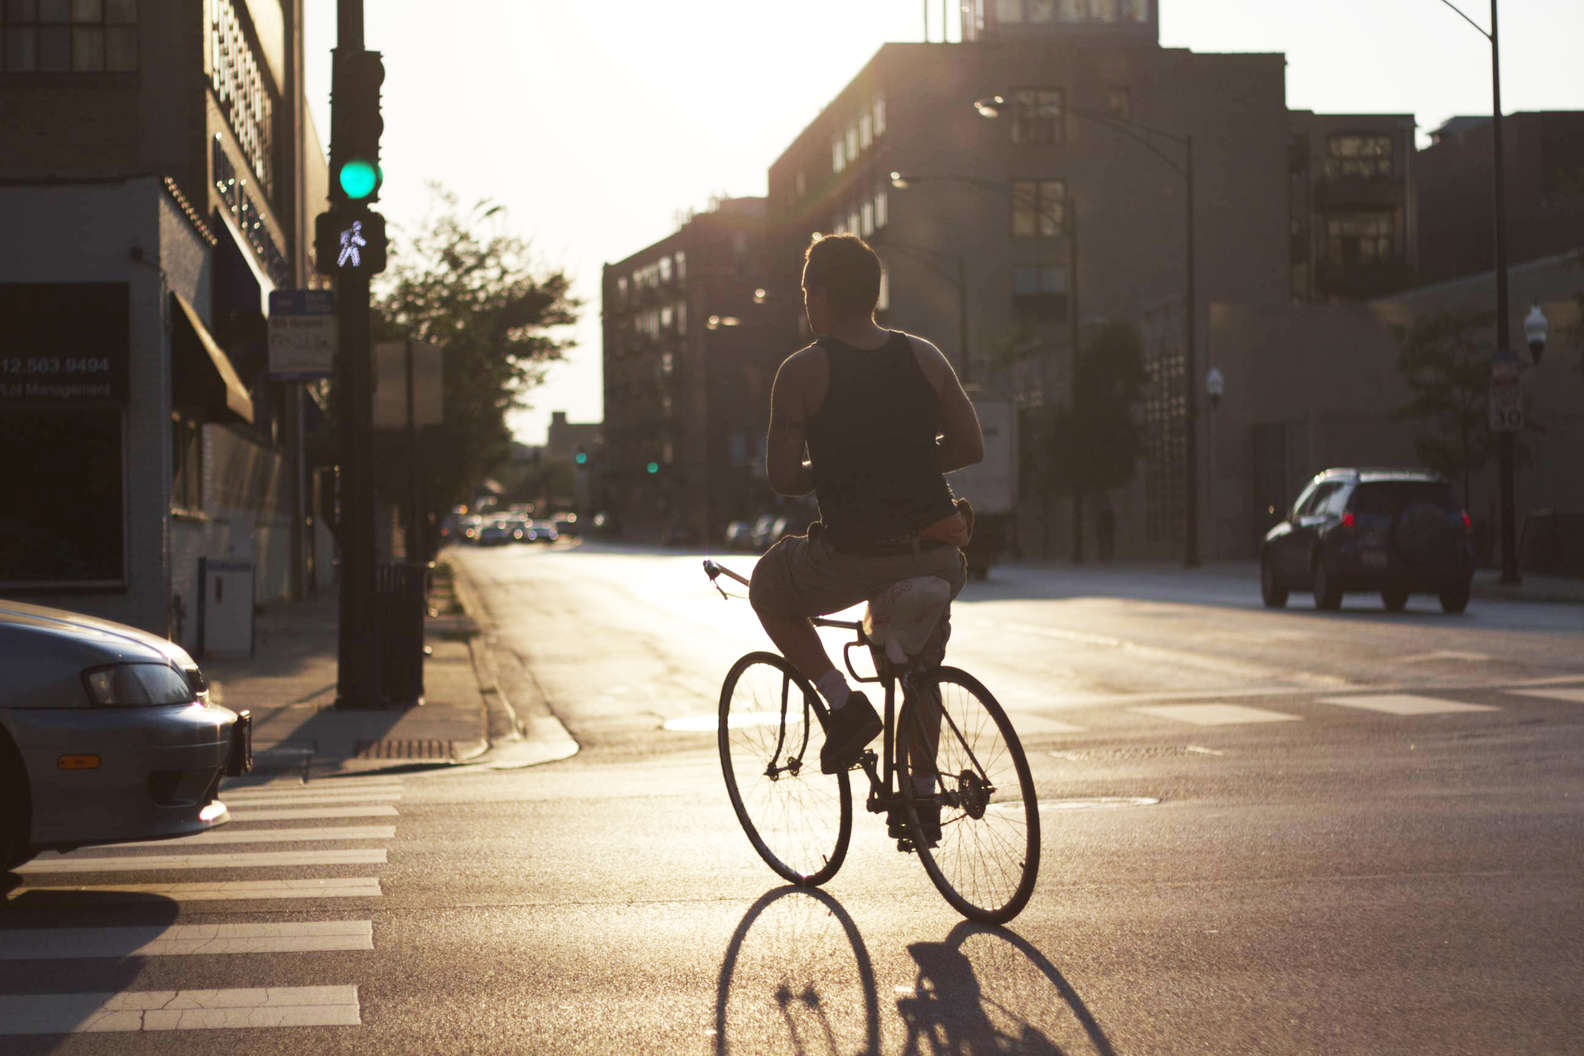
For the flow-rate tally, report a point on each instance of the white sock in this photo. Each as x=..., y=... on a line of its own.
x=834, y=688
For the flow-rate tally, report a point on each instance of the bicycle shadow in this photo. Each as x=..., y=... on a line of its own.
x=797, y=977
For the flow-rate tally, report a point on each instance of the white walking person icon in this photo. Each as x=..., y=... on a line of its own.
x=351, y=239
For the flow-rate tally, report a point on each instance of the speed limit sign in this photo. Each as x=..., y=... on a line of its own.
x=1506, y=408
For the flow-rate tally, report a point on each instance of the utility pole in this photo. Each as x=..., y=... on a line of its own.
x=350, y=245
x=1504, y=352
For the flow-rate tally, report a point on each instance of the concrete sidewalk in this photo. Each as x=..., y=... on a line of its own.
x=289, y=684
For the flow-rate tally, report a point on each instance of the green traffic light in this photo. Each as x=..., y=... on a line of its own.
x=359, y=178
x=582, y=457
x=653, y=468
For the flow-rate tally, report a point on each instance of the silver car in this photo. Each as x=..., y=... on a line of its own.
x=106, y=735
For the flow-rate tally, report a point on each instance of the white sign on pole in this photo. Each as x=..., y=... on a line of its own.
x=302, y=334
x=1506, y=407
x=390, y=384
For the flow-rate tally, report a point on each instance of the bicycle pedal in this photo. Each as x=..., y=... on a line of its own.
x=905, y=845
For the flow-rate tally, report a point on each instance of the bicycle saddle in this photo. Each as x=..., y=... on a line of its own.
x=901, y=618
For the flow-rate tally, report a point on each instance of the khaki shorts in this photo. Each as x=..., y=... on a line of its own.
x=802, y=575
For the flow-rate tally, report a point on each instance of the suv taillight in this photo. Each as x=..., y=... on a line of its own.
x=1348, y=521
x=1468, y=524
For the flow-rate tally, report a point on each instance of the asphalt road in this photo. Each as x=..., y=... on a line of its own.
x=1281, y=832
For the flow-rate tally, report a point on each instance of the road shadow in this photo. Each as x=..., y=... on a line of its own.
x=798, y=977
x=31, y=967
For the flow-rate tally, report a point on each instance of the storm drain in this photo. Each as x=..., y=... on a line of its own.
x=410, y=749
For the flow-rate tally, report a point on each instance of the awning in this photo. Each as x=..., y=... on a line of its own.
x=201, y=372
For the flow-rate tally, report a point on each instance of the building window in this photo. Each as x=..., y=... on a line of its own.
x=867, y=218
x=61, y=36
x=1358, y=157
x=681, y=317
x=882, y=207
x=1041, y=10
x=879, y=117
x=838, y=154
x=1040, y=293
x=186, y=464
x=1135, y=10
x=799, y=185
x=1038, y=208
x=1036, y=115
x=865, y=130
x=667, y=364
x=666, y=317
x=681, y=260
x=852, y=142
x=237, y=77
x=621, y=290
x=1356, y=238
x=883, y=301
x=665, y=269
x=1103, y=10
x=1009, y=10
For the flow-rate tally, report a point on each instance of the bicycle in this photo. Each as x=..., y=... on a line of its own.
x=950, y=774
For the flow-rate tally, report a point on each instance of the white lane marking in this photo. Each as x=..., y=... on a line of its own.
x=185, y=940
x=309, y=799
x=312, y=813
x=1445, y=654
x=230, y=835
x=1404, y=704
x=45, y=864
x=142, y=1010
x=318, y=788
x=1215, y=714
x=222, y=891
x=1201, y=750
x=736, y=720
x=1571, y=696
x=1030, y=725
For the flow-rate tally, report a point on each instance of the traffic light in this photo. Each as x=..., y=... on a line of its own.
x=349, y=240
x=581, y=457
x=652, y=468
x=355, y=125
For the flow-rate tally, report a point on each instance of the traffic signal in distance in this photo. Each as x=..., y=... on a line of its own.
x=581, y=457
x=355, y=125
x=349, y=240
x=652, y=468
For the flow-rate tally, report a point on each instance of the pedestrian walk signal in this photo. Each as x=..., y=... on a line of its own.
x=349, y=242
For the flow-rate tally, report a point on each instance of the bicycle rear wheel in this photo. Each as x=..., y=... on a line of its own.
x=983, y=854
x=770, y=733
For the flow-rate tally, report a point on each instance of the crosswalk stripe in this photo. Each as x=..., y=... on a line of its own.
x=1571, y=696
x=147, y=1010
x=222, y=891
x=226, y=834
x=1404, y=704
x=1214, y=714
x=1031, y=725
x=45, y=864
x=297, y=788
x=183, y=940
x=309, y=799
x=247, y=813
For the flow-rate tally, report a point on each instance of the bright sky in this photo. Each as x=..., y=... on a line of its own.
x=596, y=121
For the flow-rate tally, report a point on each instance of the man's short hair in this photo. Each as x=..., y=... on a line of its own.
x=847, y=270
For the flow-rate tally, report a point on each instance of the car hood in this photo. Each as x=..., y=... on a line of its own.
x=104, y=631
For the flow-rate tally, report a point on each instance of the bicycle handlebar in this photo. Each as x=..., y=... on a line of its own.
x=712, y=570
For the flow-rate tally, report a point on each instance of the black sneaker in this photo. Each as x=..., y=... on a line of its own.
x=848, y=730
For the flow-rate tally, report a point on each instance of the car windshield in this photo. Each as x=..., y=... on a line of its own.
x=1386, y=497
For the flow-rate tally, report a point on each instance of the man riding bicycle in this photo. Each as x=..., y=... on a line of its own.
x=882, y=418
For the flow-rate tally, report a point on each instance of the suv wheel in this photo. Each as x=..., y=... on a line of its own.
x=1394, y=598
x=1327, y=592
x=1455, y=599
x=1273, y=595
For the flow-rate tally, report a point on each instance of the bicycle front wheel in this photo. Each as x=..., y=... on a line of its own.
x=772, y=725
x=969, y=796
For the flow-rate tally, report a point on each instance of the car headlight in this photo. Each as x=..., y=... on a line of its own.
x=136, y=685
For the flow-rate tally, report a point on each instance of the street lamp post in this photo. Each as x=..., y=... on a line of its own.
x=1505, y=359
x=990, y=107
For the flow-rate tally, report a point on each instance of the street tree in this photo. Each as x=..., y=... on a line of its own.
x=1095, y=440
x=1445, y=360
x=464, y=281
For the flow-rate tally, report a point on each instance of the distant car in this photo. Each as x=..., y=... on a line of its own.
x=106, y=735
x=1395, y=531
x=739, y=536
x=567, y=526
x=542, y=531
x=497, y=533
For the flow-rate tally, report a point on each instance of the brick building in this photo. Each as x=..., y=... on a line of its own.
x=688, y=358
x=158, y=176
x=1012, y=235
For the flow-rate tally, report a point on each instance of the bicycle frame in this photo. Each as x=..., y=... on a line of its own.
x=885, y=792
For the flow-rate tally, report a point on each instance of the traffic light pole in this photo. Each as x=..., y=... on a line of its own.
x=357, y=674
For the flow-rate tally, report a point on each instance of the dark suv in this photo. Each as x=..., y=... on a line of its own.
x=1396, y=531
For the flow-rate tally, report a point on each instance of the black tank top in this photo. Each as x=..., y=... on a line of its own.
x=872, y=446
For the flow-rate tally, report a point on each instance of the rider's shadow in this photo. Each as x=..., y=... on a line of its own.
x=797, y=977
